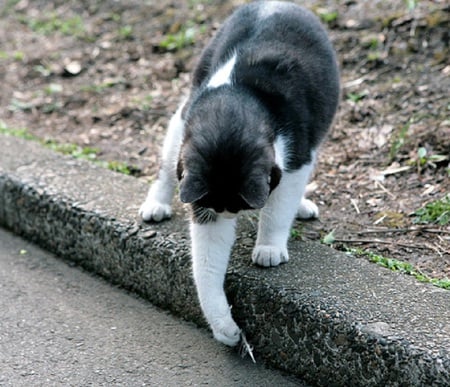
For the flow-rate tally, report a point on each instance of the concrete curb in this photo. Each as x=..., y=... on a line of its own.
x=326, y=317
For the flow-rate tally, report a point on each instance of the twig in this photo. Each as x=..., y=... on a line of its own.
x=392, y=171
x=434, y=248
x=436, y=231
x=355, y=82
x=426, y=246
x=379, y=220
x=404, y=230
x=423, y=247
x=383, y=188
x=362, y=241
x=383, y=231
x=355, y=204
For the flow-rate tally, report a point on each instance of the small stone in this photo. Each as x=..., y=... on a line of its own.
x=378, y=328
x=73, y=68
x=148, y=234
x=133, y=230
x=247, y=241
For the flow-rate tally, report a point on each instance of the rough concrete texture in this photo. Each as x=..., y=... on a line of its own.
x=327, y=317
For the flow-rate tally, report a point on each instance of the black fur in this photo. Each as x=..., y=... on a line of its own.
x=285, y=82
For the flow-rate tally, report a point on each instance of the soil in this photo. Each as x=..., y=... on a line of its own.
x=108, y=75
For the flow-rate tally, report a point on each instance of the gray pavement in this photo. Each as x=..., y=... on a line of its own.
x=60, y=326
x=327, y=317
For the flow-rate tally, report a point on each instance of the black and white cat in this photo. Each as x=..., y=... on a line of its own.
x=264, y=94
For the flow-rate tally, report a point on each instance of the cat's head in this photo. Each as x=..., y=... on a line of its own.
x=227, y=160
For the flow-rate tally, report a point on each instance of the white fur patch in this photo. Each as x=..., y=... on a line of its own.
x=277, y=216
x=269, y=8
x=223, y=75
x=211, y=248
x=307, y=209
x=157, y=205
x=280, y=151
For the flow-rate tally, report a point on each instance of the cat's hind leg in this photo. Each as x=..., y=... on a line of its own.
x=157, y=205
x=307, y=209
x=277, y=216
x=211, y=248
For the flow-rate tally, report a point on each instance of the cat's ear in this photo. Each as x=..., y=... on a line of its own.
x=192, y=189
x=255, y=192
x=180, y=170
x=275, y=177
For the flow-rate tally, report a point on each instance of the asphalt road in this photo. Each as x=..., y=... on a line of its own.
x=60, y=326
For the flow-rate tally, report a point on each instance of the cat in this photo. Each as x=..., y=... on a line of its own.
x=263, y=96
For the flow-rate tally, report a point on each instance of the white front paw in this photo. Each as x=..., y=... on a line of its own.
x=155, y=211
x=226, y=331
x=307, y=209
x=268, y=255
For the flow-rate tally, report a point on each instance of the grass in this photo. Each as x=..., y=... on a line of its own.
x=400, y=137
x=17, y=105
x=18, y=56
x=52, y=23
x=411, y=5
x=45, y=71
x=296, y=233
x=73, y=150
x=185, y=37
x=53, y=88
x=145, y=103
x=400, y=267
x=356, y=97
x=437, y=212
x=194, y=3
x=374, y=56
x=125, y=32
x=326, y=15
x=8, y=7
x=16, y=132
x=424, y=159
x=101, y=87
x=399, y=140
x=329, y=238
x=117, y=166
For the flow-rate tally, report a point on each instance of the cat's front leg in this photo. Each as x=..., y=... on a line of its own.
x=277, y=216
x=157, y=205
x=211, y=247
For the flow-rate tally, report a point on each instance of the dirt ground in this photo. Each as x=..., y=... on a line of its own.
x=106, y=75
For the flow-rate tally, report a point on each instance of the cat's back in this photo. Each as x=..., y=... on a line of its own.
x=277, y=35
x=283, y=23
x=278, y=54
